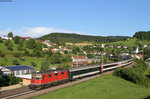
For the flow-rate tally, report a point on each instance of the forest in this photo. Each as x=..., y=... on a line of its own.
x=142, y=35
x=77, y=38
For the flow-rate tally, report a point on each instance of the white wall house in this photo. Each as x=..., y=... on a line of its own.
x=6, y=38
x=16, y=70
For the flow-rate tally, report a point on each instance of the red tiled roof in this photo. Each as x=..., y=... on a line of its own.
x=25, y=37
x=81, y=62
x=79, y=57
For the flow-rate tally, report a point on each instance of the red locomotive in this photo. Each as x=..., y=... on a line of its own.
x=48, y=78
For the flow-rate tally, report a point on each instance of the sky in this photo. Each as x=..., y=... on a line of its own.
x=36, y=18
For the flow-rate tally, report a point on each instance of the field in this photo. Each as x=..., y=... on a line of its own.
x=105, y=87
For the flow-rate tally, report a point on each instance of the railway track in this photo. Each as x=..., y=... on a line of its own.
x=25, y=92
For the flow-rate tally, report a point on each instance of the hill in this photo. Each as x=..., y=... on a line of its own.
x=142, y=35
x=76, y=38
x=103, y=87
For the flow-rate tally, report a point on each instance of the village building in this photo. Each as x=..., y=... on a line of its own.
x=79, y=60
x=6, y=38
x=25, y=38
x=16, y=70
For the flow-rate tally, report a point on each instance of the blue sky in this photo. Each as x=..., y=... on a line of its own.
x=93, y=17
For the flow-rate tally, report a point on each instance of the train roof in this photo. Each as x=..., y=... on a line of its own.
x=84, y=67
x=52, y=71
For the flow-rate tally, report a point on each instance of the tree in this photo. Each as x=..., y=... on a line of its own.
x=146, y=53
x=44, y=66
x=26, y=53
x=7, y=42
x=33, y=64
x=17, y=54
x=1, y=41
x=10, y=34
x=16, y=39
x=10, y=47
x=36, y=53
x=31, y=44
x=75, y=50
x=2, y=54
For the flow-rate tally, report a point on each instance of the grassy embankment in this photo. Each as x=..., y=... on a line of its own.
x=105, y=87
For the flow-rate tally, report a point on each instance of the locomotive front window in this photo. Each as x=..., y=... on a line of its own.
x=39, y=77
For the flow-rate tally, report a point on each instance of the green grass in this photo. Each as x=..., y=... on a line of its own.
x=105, y=87
x=130, y=42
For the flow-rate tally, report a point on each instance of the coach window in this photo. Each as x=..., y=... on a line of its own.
x=62, y=73
x=49, y=75
x=56, y=74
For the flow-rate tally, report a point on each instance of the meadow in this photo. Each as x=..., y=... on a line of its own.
x=104, y=87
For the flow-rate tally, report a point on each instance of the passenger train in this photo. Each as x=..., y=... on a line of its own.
x=53, y=77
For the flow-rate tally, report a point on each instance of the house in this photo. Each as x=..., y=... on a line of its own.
x=79, y=60
x=136, y=50
x=6, y=38
x=54, y=50
x=25, y=38
x=138, y=56
x=45, y=49
x=16, y=70
x=103, y=45
x=125, y=47
x=64, y=48
x=46, y=42
x=145, y=46
x=148, y=61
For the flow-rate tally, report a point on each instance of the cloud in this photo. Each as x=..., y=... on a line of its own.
x=36, y=31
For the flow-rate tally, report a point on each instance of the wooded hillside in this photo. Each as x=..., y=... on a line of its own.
x=142, y=35
x=76, y=38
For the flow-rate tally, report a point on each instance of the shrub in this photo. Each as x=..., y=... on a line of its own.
x=33, y=64
x=10, y=47
x=2, y=54
x=1, y=41
x=134, y=74
x=15, y=62
x=7, y=42
x=17, y=54
x=2, y=64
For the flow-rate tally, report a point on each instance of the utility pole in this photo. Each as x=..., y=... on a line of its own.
x=102, y=63
x=77, y=59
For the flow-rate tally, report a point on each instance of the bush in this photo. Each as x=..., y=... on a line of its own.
x=10, y=47
x=2, y=54
x=44, y=66
x=15, y=62
x=2, y=64
x=1, y=41
x=26, y=53
x=33, y=64
x=7, y=42
x=17, y=54
x=134, y=74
